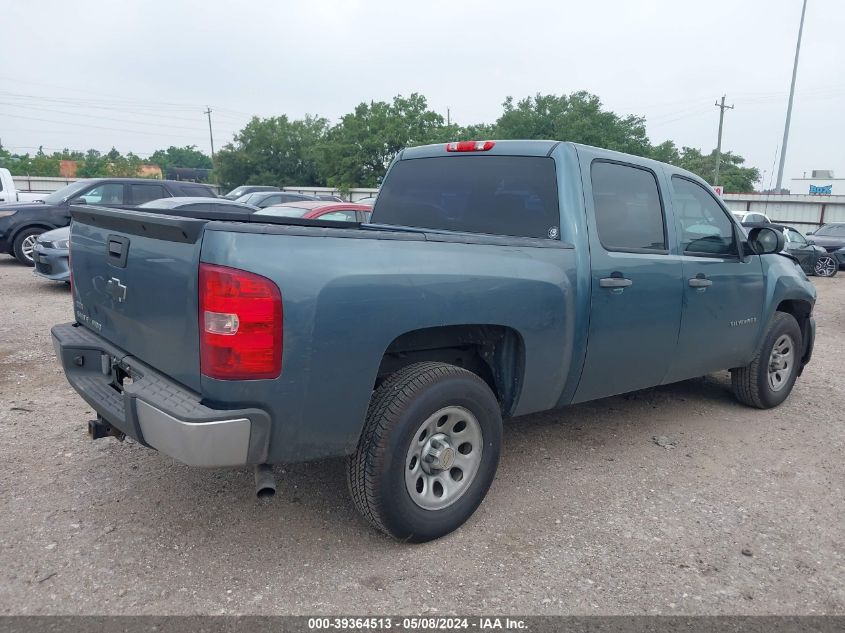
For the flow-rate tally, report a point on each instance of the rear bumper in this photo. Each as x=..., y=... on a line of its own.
x=155, y=410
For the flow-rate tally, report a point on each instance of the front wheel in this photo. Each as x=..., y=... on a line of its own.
x=428, y=452
x=768, y=379
x=24, y=245
x=826, y=266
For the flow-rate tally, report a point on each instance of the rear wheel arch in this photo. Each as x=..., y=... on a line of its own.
x=493, y=352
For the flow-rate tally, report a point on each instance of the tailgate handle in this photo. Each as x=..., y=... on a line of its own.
x=117, y=249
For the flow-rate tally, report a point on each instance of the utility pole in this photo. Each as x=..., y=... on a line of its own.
x=722, y=107
x=210, y=134
x=448, y=117
x=791, y=95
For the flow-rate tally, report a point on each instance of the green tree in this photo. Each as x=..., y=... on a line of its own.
x=273, y=151
x=357, y=151
x=732, y=175
x=93, y=164
x=188, y=156
x=578, y=117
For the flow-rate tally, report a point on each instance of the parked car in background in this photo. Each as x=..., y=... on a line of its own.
x=751, y=217
x=329, y=198
x=22, y=223
x=9, y=191
x=497, y=279
x=370, y=200
x=312, y=210
x=814, y=259
x=244, y=190
x=50, y=254
x=269, y=198
x=208, y=208
x=832, y=238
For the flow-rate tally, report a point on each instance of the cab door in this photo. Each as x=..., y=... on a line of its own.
x=635, y=298
x=722, y=290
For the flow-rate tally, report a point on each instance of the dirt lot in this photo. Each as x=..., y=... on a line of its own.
x=587, y=514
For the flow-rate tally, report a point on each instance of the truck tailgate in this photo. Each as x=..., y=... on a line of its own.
x=135, y=284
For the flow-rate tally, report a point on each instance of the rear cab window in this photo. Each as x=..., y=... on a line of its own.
x=495, y=195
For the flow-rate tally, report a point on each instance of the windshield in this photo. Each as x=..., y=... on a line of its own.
x=235, y=193
x=66, y=193
x=837, y=230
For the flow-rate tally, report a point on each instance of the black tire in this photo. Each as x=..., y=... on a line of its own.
x=376, y=471
x=18, y=245
x=826, y=266
x=751, y=383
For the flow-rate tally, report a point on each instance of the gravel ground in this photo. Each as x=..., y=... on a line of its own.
x=741, y=512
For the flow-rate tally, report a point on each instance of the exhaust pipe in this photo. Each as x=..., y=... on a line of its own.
x=265, y=482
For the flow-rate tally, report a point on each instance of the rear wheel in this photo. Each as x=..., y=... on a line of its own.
x=826, y=266
x=428, y=452
x=768, y=379
x=24, y=245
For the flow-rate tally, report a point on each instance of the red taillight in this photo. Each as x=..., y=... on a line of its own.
x=470, y=146
x=240, y=320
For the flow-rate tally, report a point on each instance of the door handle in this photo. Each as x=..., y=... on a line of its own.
x=700, y=281
x=615, y=282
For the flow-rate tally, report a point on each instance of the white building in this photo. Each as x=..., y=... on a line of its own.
x=820, y=183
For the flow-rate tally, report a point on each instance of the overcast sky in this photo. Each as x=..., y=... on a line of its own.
x=138, y=76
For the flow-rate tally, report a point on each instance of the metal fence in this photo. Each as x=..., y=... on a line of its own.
x=49, y=184
x=804, y=212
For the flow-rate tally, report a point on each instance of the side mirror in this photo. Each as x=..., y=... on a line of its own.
x=79, y=201
x=764, y=240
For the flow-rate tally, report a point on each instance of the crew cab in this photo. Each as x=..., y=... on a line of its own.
x=21, y=224
x=9, y=191
x=495, y=279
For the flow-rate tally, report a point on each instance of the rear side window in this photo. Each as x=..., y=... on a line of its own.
x=497, y=195
x=197, y=190
x=145, y=193
x=705, y=227
x=629, y=214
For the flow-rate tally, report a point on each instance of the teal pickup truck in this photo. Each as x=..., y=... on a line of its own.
x=496, y=279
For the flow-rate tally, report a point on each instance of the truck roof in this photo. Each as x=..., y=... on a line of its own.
x=538, y=148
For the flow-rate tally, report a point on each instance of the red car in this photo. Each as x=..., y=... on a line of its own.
x=312, y=210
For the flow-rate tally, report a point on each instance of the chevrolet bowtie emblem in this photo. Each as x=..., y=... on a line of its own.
x=116, y=290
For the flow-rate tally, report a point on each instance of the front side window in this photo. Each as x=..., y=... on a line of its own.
x=704, y=227
x=629, y=215
x=109, y=193
x=494, y=195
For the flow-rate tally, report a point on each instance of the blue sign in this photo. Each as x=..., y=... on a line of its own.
x=824, y=190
